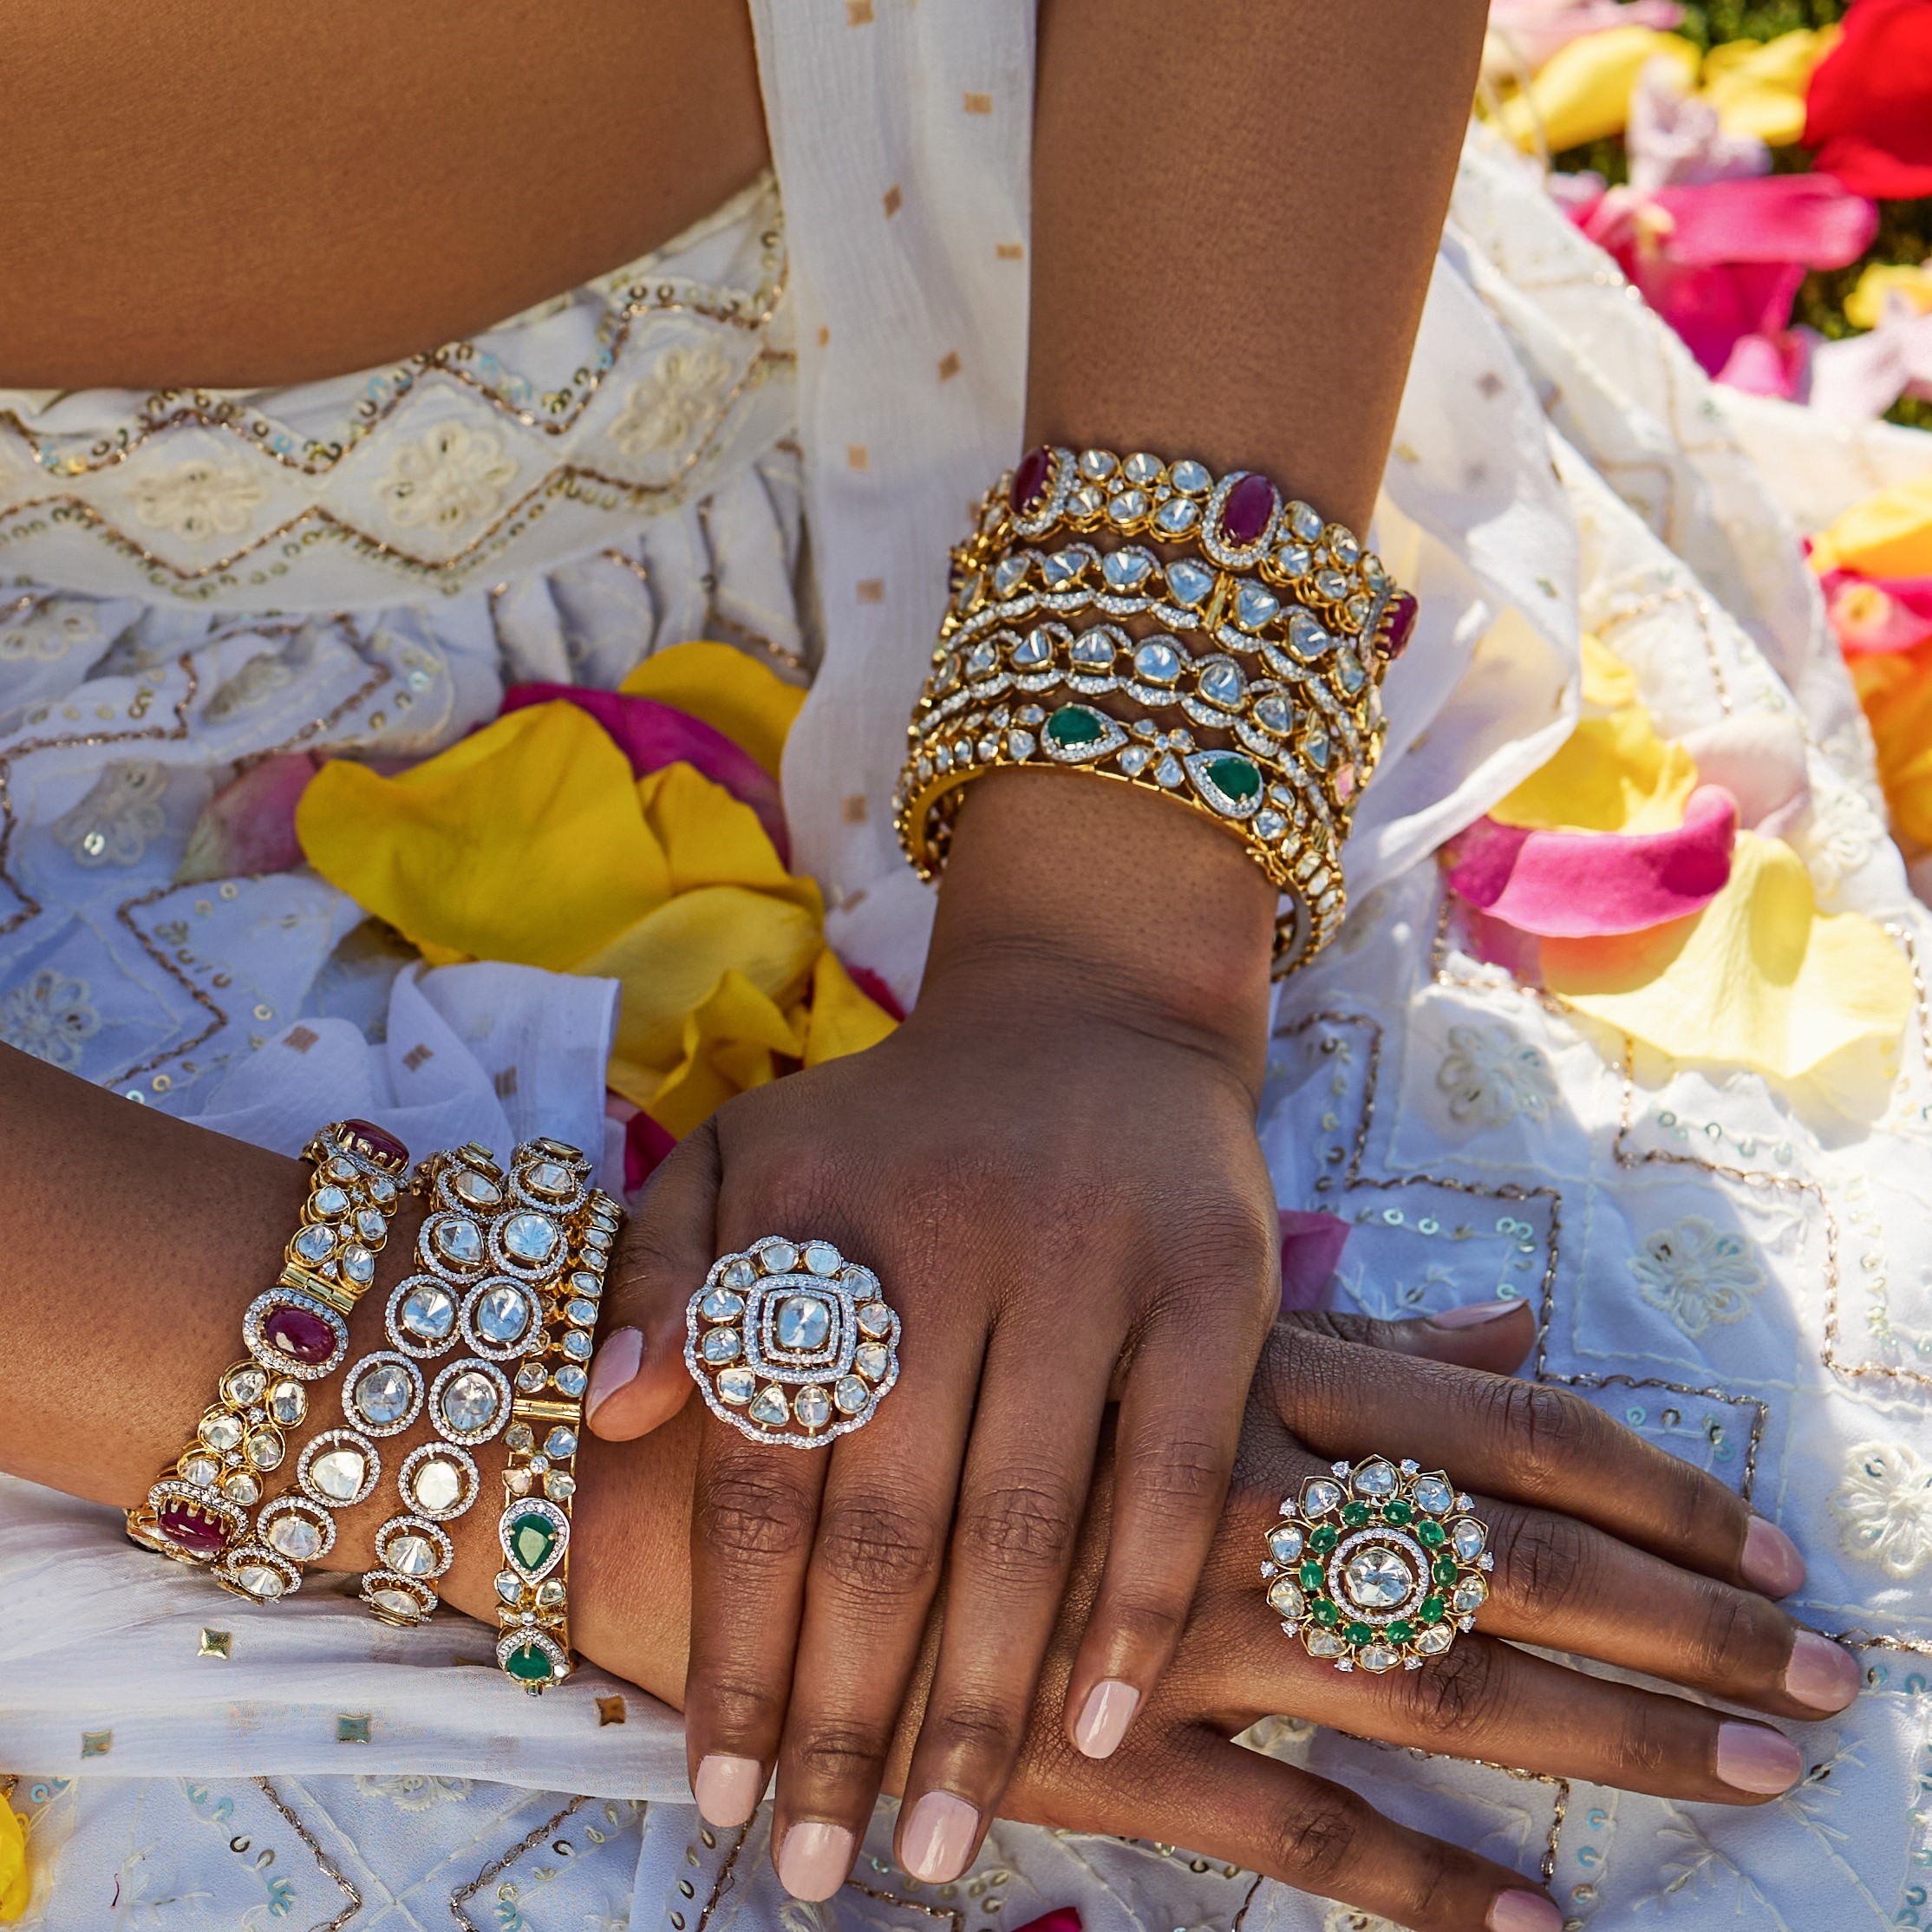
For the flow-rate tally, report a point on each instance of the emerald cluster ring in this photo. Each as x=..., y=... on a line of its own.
x=791, y=1343
x=1377, y=1566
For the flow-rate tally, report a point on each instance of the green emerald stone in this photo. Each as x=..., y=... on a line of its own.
x=1432, y=1610
x=1358, y=1633
x=1324, y=1539
x=1445, y=1569
x=532, y=1536
x=1310, y=1576
x=1354, y=1514
x=530, y=1664
x=1398, y=1511
x=1325, y=1613
x=1432, y=1534
x=1237, y=777
x=1400, y=1631
x=1074, y=724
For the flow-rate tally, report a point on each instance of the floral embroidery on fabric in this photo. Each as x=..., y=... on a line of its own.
x=49, y=1016
x=680, y=397
x=1843, y=833
x=35, y=630
x=199, y=498
x=1491, y=1077
x=1698, y=1274
x=253, y=684
x=1884, y=1507
x=112, y=824
x=414, y=1791
x=449, y=478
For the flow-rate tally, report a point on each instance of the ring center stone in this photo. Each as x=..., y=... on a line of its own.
x=804, y=1323
x=1377, y=1579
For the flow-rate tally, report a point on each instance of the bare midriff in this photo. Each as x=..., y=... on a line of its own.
x=200, y=194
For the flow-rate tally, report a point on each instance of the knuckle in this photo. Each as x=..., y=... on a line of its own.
x=739, y=1713
x=1544, y=1562
x=873, y=1547
x=748, y=1515
x=1545, y=1430
x=978, y=1732
x=1729, y=1647
x=1459, y=1692
x=1647, y=1750
x=1178, y=1473
x=1019, y=1529
x=829, y=1755
x=1316, y=1845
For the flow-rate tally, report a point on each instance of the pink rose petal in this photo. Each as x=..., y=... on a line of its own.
x=1311, y=1245
x=652, y=736
x=248, y=827
x=1580, y=885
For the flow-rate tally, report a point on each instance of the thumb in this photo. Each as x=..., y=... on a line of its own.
x=638, y=1380
x=1492, y=1335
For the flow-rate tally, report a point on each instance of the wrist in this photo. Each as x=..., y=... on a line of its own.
x=1066, y=895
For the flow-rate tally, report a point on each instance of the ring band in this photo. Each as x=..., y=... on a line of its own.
x=791, y=1343
x=1377, y=1566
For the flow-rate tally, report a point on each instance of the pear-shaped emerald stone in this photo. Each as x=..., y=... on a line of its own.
x=1236, y=777
x=532, y=1536
x=531, y=1664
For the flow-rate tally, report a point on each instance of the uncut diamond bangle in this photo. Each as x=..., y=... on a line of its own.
x=533, y=1646
x=294, y=1332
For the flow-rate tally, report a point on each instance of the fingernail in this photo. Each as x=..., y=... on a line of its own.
x=1770, y=1562
x=1104, y=1717
x=1754, y=1758
x=1522, y=1912
x=1472, y=1316
x=728, y=1789
x=1821, y=1674
x=936, y=1843
x=814, y=1859
x=616, y=1364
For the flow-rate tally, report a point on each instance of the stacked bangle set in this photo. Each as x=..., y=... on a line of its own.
x=509, y=1273
x=1256, y=700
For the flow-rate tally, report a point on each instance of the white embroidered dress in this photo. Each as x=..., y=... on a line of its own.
x=1740, y=1270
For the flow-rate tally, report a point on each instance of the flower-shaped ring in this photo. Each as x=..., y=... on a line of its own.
x=791, y=1343
x=1377, y=1566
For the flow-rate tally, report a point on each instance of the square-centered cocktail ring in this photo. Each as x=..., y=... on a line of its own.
x=792, y=1343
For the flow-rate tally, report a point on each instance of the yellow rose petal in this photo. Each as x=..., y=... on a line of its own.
x=752, y=705
x=1613, y=773
x=1759, y=87
x=711, y=839
x=843, y=1019
x=1582, y=93
x=15, y=1886
x=1865, y=308
x=1888, y=534
x=1759, y=978
x=525, y=842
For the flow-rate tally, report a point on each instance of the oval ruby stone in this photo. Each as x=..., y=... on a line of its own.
x=1030, y=479
x=379, y=1145
x=1245, y=512
x=300, y=1335
x=190, y=1528
x=1398, y=624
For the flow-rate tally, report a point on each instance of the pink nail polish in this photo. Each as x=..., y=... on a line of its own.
x=1522, y=1912
x=1473, y=1315
x=1104, y=1717
x=1754, y=1758
x=935, y=1842
x=1770, y=1562
x=617, y=1365
x=1821, y=1674
x=814, y=1859
x=728, y=1789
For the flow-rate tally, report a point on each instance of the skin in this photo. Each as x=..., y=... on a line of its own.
x=1586, y=1519
x=1053, y=1164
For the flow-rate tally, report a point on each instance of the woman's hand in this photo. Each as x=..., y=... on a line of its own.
x=1052, y=1166
x=1605, y=1548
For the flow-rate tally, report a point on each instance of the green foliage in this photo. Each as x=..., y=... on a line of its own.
x=1721, y=20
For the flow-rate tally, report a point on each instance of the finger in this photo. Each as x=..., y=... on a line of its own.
x=1173, y=1446
x=638, y=1380
x=1021, y=1498
x=1225, y=1803
x=876, y=1563
x=1531, y=1443
x=1495, y=1335
x=1487, y=1700
x=753, y=1510
x=1562, y=1584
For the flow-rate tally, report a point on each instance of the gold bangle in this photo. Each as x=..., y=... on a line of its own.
x=294, y=1332
x=539, y=1480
